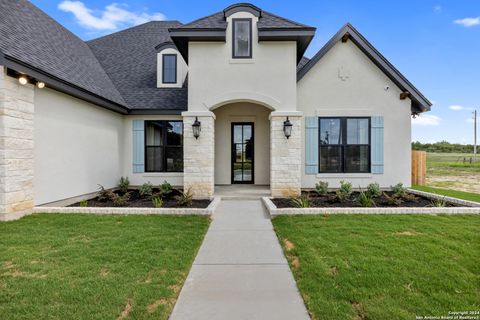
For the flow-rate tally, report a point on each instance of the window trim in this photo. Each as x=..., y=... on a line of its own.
x=164, y=145
x=164, y=55
x=344, y=144
x=250, y=42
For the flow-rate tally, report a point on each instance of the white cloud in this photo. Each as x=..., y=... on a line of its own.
x=111, y=18
x=437, y=9
x=426, y=120
x=468, y=22
x=456, y=108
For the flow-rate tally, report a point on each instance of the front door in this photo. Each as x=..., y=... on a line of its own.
x=242, y=152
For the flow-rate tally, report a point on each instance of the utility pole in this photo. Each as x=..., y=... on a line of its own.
x=475, y=135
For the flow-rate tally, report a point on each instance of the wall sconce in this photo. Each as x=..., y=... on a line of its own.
x=23, y=80
x=197, y=127
x=287, y=128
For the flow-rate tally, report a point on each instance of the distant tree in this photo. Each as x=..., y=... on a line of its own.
x=443, y=146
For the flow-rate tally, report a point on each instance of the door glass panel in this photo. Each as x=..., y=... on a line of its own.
x=237, y=134
x=242, y=146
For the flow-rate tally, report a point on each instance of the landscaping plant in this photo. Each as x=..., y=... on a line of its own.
x=399, y=190
x=393, y=200
x=165, y=188
x=440, y=202
x=103, y=195
x=301, y=202
x=365, y=199
x=345, y=190
x=123, y=184
x=120, y=200
x=321, y=188
x=146, y=190
x=373, y=190
x=157, y=202
x=185, y=198
x=84, y=203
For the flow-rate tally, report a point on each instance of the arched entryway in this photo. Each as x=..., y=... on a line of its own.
x=242, y=144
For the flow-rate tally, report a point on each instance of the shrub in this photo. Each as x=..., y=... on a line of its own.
x=373, y=190
x=399, y=190
x=345, y=190
x=84, y=203
x=146, y=189
x=365, y=199
x=157, y=202
x=165, y=188
x=185, y=198
x=103, y=195
x=440, y=202
x=123, y=184
x=301, y=202
x=393, y=200
x=321, y=188
x=120, y=200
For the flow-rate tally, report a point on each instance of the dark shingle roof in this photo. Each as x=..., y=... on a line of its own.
x=29, y=35
x=129, y=58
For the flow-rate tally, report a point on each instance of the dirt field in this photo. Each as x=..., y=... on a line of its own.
x=450, y=171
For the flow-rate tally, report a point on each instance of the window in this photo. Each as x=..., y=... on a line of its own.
x=344, y=145
x=163, y=146
x=169, y=68
x=242, y=38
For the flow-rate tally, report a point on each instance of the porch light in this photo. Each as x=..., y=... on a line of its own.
x=23, y=80
x=287, y=128
x=197, y=127
x=40, y=84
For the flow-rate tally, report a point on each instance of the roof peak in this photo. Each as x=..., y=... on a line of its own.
x=238, y=7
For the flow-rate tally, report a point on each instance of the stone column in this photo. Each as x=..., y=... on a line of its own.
x=285, y=155
x=199, y=155
x=16, y=147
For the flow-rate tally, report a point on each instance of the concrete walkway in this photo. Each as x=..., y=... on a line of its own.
x=240, y=271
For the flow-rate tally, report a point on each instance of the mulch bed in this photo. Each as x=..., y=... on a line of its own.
x=136, y=201
x=330, y=200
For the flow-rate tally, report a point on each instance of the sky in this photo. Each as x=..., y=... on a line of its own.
x=435, y=44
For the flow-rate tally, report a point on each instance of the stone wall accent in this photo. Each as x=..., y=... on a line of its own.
x=199, y=155
x=16, y=147
x=285, y=155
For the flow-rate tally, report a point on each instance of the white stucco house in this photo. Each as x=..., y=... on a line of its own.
x=226, y=99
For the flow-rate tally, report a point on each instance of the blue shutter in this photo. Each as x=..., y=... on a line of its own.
x=311, y=145
x=138, y=143
x=377, y=144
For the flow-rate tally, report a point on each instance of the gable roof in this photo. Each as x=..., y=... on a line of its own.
x=419, y=102
x=30, y=39
x=129, y=58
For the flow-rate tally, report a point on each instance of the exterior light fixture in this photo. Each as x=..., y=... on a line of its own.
x=40, y=84
x=197, y=127
x=23, y=80
x=287, y=128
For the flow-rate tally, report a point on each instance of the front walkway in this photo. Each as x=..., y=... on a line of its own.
x=240, y=271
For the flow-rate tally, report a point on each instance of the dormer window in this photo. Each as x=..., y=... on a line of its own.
x=242, y=38
x=169, y=68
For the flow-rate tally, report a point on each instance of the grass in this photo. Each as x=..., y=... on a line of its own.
x=383, y=267
x=95, y=267
x=450, y=193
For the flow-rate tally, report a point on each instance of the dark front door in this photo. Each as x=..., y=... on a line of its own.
x=242, y=152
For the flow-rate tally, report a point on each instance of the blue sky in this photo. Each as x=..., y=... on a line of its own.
x=435, y=44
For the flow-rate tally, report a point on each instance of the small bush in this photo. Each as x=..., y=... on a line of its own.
x=440, y=202
x=103, y=195
x=120, y=200
x=165, y=188
x=157, y=202
x=185, y=198
x=321, y=188
x=399, y=190
x=123, y=184
x=393, y=200
x=301, y=202
x=373, y=190
x=365, y=199
x=84, y=203
x=345, y=190
x=146, y=190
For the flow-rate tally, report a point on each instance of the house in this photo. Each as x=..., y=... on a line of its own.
x=226, y=99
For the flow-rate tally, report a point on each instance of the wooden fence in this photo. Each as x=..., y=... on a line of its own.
x=419, y=167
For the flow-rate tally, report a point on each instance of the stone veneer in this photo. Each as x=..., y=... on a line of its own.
x=16, y=147
x=199, y=155
x=285, y=155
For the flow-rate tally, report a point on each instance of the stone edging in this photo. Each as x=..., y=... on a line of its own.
x=465, y=203
x=274, y=211
x=132, y=211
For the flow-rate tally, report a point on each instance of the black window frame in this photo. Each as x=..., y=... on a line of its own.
x=344, y=144
x=250, y=49
x=164, y=145
x=163, y=67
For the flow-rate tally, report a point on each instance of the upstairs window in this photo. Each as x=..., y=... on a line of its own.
x=163, y=146
x=169, y=68
x=242, y=38
x=344, y=145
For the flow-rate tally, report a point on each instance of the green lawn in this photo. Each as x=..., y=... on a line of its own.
x=383, y=267
x=450, y=193
x=95, y=267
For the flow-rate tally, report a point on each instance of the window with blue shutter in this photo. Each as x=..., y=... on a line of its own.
x=377, y=145
x=311, y=145
x=169, y=68
x=138, y=142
